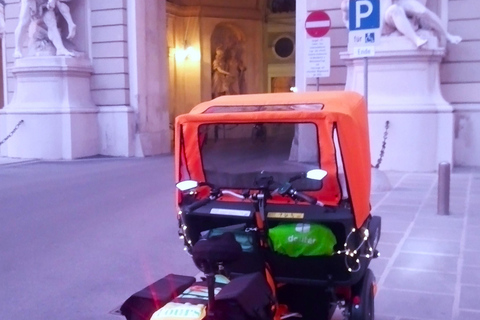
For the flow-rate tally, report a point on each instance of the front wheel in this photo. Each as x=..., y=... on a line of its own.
x=362, y=304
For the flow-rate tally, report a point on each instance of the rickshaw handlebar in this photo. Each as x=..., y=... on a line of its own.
x=296, y=195
x=304, y=197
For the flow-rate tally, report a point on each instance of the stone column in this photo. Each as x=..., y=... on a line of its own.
x=149, y=76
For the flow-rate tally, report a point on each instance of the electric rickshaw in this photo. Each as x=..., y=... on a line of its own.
x=273, y=205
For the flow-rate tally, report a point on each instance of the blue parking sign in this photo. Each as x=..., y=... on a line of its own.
x=364, y=14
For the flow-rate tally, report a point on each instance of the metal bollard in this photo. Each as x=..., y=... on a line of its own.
x=443, y=204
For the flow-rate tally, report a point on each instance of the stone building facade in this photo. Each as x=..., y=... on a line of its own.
x=152, y=60
x=459, y=71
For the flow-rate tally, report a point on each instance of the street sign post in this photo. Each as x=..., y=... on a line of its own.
x=364, y=32
x=317, y=53
x=364, y=22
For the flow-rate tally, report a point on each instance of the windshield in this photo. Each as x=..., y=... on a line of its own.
x=234, y=155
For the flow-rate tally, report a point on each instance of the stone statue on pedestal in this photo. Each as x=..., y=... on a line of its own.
x=219, y=80
x=228, y=71
x=41, y=17
x=408, y=17
x=236, y=69
x=403, y=86
x=52, y=89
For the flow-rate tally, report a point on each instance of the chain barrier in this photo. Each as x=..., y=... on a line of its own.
x=11, y=133
x=384, y=144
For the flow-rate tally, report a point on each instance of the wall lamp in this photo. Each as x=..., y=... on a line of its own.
x=187, y=53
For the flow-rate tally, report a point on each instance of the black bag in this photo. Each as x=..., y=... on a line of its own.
x=143, y=304
x=246, y=297
x=251, y=258
x=246, y=239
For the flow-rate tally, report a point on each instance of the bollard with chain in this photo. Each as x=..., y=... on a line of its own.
x=443, y=204
x=384, y=145
x=11, y=133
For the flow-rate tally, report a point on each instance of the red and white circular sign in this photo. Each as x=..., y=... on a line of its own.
x=317, y=24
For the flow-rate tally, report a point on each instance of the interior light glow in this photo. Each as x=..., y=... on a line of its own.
x=189, y=53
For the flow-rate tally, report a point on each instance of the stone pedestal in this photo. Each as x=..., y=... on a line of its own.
x=404, y=88
x=54, y=100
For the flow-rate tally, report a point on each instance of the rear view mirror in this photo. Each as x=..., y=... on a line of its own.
x=316, y=174
x=186, y=185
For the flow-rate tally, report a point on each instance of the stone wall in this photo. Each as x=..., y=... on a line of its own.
x=460, y=76
x=12, y=8
x=109, y=53
x=280, y=68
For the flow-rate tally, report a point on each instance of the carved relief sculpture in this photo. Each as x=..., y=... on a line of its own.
x=409, y=17
x=219, y=79
x=228, y=68
x=228, y=72
x=41, y=17
x=236, y=70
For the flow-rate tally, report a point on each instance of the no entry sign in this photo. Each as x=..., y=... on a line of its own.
x=317, y=24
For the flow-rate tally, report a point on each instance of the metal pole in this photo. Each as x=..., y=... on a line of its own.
x=365, y=79
x=318, y=84
x=443, y=207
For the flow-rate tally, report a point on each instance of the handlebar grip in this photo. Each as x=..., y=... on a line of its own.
x=305, y=197
x=198, y=204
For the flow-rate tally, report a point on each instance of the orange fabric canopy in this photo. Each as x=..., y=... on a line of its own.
x=343, y=111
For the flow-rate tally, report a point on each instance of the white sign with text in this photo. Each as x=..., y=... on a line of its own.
x=317, y=60
x=359, y=52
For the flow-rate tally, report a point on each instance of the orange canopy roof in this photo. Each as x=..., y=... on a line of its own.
x=343, y=111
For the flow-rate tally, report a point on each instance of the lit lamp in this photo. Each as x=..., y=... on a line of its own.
x=187, y=53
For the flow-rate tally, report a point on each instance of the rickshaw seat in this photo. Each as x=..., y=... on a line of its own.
x=218, y=249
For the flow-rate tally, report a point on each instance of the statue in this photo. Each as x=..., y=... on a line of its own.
x=241, y=77
x=236, y=70
x=408, y=17
x=42, y=14
x=220, y=84
x=228, y=71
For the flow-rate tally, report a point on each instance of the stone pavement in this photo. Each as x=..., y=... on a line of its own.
x=429, y=267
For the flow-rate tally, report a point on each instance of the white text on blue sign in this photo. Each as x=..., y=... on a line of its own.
x=364, y=14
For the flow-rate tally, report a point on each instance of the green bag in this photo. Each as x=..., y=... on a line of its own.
x=302, y=239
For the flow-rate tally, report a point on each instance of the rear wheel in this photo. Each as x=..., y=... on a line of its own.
x=362, y=304
x=312, y=302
